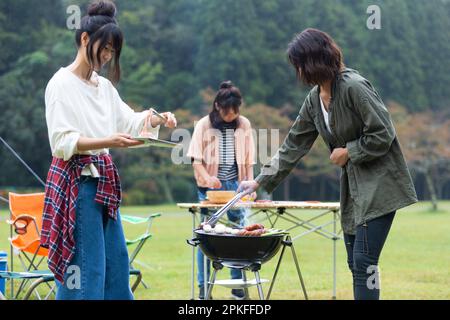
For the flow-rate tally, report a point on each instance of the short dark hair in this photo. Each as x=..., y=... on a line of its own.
x=101, y=25
x=227, y=98
x=315, y=56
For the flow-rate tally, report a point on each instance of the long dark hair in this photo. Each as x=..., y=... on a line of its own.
x=101, y=25
x=227, y=98
x=315, y=56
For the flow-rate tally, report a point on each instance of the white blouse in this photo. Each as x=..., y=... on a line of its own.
x=325, y=115
x=73, y=108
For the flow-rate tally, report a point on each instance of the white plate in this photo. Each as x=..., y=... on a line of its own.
x=152, y=142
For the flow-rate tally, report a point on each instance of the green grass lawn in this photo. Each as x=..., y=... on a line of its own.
x=415, y=263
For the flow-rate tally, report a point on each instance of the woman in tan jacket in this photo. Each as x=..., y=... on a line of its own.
x=222, y=152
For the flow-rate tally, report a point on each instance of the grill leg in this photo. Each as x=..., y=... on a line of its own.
x=205, y=273
x=259, y=286
x=244, y=278
x=288, y=243
x=276, y=271
x=211, y=284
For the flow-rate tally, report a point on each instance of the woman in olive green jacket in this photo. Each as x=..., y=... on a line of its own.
x=350, y=116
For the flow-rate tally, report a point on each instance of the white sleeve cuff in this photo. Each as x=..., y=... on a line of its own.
x=153, y=131
x=67, y=145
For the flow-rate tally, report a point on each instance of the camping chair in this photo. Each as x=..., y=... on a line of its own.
x=26, y=220
x=140, y=240
x=39, y=277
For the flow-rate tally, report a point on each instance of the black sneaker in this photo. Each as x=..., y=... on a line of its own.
x=238, y=294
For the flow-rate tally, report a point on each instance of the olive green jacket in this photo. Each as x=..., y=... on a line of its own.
x=376, y=180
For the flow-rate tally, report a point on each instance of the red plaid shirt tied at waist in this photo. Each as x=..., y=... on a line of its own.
x=61, y=193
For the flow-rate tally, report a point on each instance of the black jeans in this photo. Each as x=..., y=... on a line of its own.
x=363, y=252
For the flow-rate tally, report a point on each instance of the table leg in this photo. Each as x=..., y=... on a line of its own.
x=193, y=257
x=299, y=273
x=334, y=255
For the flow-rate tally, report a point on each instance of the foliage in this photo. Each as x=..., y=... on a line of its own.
x=177, y=52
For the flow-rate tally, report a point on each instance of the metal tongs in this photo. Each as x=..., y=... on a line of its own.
x=156, y=113
x=144, y=133
x=216, y=216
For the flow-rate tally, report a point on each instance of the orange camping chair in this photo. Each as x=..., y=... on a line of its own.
x=26, y=221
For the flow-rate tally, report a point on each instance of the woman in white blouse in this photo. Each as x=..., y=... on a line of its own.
x=85, y=117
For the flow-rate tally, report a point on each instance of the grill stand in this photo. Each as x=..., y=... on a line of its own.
x=255, y=267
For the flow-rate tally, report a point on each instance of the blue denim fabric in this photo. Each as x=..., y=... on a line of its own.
x=99, y=269
x=363, y=253
x=236, y=216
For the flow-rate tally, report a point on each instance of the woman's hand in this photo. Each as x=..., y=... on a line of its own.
x=339, y=157
x=253, y=196
x=213, y=182
x=122, y=140
x=171, y=121
x=248, y=186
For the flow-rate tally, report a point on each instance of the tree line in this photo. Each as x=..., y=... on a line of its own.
x=177, y=52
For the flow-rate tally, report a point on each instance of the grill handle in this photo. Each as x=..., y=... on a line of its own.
x=216, y=217
x=193, y=242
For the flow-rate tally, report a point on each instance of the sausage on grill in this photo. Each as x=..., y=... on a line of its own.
x=251, y=233
x=254, y=226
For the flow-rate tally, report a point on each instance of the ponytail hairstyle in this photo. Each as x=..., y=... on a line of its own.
x=101, y=25
x=228, y=98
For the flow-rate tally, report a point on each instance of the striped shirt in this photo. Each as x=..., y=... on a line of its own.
x=228, y=169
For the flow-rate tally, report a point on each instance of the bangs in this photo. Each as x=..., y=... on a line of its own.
x=229, y=101
x=108, y=34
